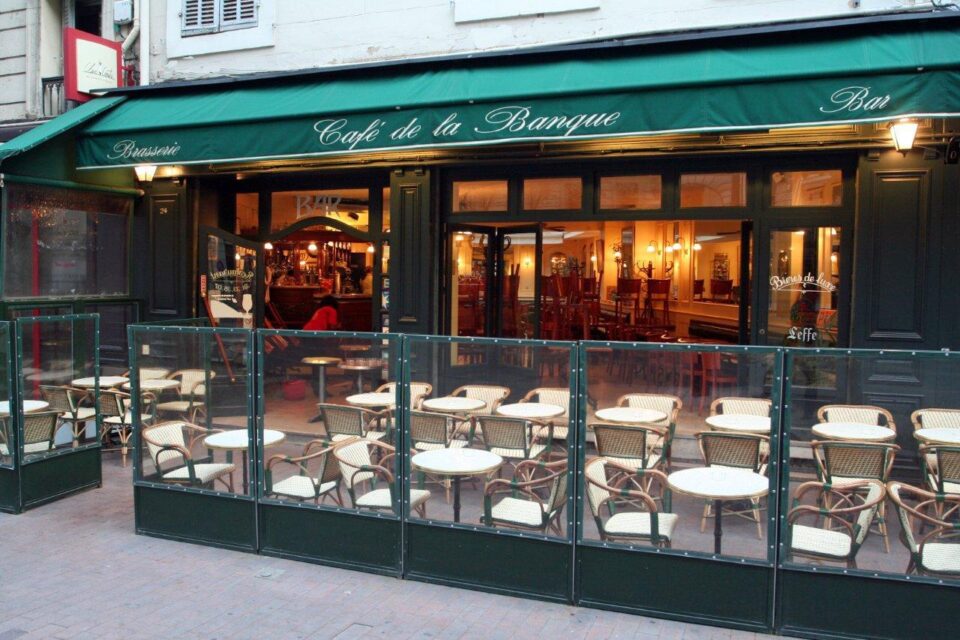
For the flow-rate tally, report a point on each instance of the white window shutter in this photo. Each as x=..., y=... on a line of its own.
x=238, y=14
x=200, y=16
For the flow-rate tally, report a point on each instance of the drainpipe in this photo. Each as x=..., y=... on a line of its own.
x=143, y=7
x=134, y=31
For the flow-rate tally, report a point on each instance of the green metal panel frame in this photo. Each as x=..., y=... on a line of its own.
x=539, y=566
x=855, y=595
x=326, y=534
x=189, y=514
x=728, y=591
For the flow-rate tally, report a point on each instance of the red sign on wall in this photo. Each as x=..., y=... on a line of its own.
x=90, y=63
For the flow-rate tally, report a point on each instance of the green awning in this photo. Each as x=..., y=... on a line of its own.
x=52, y=128
x=744, y=84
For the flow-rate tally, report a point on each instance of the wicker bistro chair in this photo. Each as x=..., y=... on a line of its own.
x=935, y=419
x=735, y=451
x=191, y=394
x=418, y=391
x=936, y=553
x=627, y=515
x=537, y=495
x=172, y=455
x=862, y=413
x=116, y=417
x=840, y=462
x=493, y=395
x=854, y=506
x=357, y=467
x=742, y=406
x=943, y=476
x=512, y=438
x=304, y=485
x=630, y=446
x=559, y=396
x=429, y=431
x=343, y=422
x=670, y=405
x=39, y=429
x=65, y=400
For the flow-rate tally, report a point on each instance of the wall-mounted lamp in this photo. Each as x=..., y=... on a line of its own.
x=593, y=258
x=697, y=246
x=617, y=256
x=145, y=172
x=668, y=248
x=833, y=257
x=237, y=256
x=312, y=247
x=904, y=132
x=268, y=246
x=526, y=262
x=371, y=248
x=677, y=246
x=653, y=247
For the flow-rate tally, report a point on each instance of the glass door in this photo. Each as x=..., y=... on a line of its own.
x=519, y=265
x=231, y=277
x=804, y=285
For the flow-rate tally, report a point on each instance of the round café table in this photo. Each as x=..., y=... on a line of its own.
x=372, y=400
x=740, y=422
x=453, y=404
x=360, y=367
x=853, y=431
x=153, y=384
x=456, y=464
x=106, y=382
x=238, y=440
x=719, y=484
x=29, y=406
x=530, y=410
x=630, y=415
x=938, y=435
x=321, y=363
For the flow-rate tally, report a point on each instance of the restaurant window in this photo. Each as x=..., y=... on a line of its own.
x=210, y=16
x=248, y=214
x=65, y=243
x=713, y=190
x=806, y=188
x=552, y=194
x=480, y=195
x=630, y=192
x=349, y=206
x=715, y=261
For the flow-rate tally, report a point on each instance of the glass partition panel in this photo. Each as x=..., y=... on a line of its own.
x=193, y=409
x=58, y=373
x=677, y=448
x=328, y=420
x=488, y=424
x=7, y=430
x=874, y=463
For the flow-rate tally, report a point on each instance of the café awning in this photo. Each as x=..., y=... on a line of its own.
x=735, y=84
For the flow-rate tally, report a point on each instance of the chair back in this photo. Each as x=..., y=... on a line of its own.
x=418, y=391
x=854, y=504
x=863, y=414
x=741, y=406
x=162, y=435
x=740, y=450
x=493, y=395
x=867, y=460
x=936, y=419
x=559, y=396
x=626, y=444
x=505, y=433
x=947, y=468
x=629, y=287
x=721, y=287
x=658, y=287
x=111, y=404
x=596, y=481
x=923, y=513
x=667, y=404
x=428, y=428
x=340, y=420
x=328, y=470
x=152, y=373
x=60, y=399
x=698, y=288
x=352, y=458
x=193, y=381
x=39, y=428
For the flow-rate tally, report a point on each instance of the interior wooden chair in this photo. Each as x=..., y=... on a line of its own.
x=65, y=400
x=658, y=290
x=191, y=394
x=306, y=484
x=533, y=500
x=846, y=513
x=721, y=290
x=628, y=515
x=936, y=552
x=171, y=444
x=357, y=468
x=735, y=451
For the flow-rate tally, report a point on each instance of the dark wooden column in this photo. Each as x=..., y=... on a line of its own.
x=413, y=267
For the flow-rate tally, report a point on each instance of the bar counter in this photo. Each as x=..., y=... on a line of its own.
x=296, y=304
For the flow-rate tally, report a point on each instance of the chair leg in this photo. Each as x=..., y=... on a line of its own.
x=703, y=519
x=756, y=516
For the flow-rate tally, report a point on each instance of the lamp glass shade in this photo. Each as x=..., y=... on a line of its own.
x=904, y=132
x=145, y=172
x=651, y=248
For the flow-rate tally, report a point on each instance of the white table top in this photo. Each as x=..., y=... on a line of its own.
x=237, y=439
x=106, y=382
x=383, y=399
x=530, y=410
x=28, y=406
x=457, y=462
x=360, y=366
x=321, y=361
x=154, y=384
x=630, y=415
x=939, y=435
x=719, y=483
x=453, y=404
x=740, y=422
x=853, y=431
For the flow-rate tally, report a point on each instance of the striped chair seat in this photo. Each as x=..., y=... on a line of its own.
x=433, y=446
x=204, y=472
x=823, y=542
x=127, y=418
x=369, y=435
x=517, y=454
x=941, y=556
x=637, y=524
x=524, y=512
x=302, y=487
x=36, y=447
x=381, y=499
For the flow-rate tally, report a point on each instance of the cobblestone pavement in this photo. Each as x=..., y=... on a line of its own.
x=75, y=569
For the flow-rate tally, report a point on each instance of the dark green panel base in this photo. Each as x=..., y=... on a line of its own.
x=57, y=476
x=669, y=586
x=821, y=605
x=330, y=537
x=9, y=491
x=490, y=562
x=192, y=517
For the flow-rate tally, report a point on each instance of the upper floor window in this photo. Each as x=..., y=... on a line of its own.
x=211, y=16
